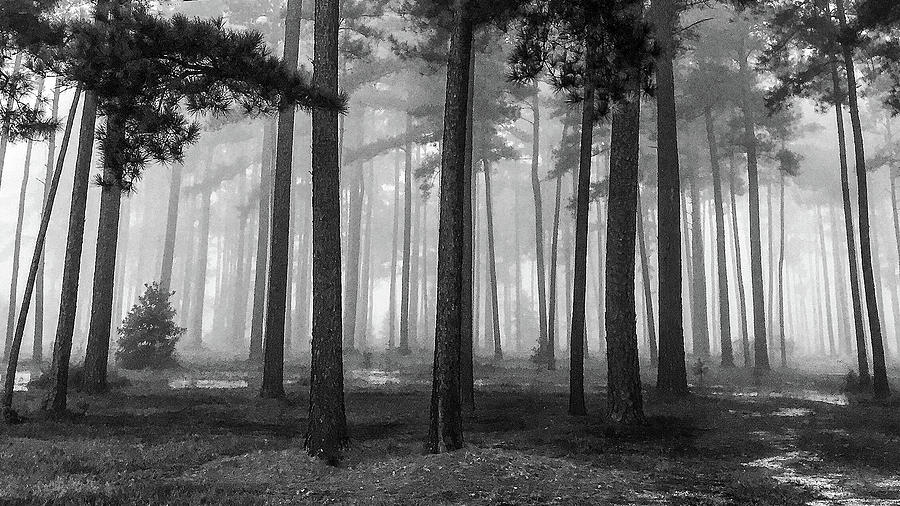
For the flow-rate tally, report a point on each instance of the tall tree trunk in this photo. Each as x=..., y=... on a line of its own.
x=392, y=308
x=445, y=431
x=352, y=257
x=760, y=344
x=721, y=259
x=187, y=278
x=554, y=249
x=36, y=259
x=362, y=329
x=770, y=229
x=258, y=310
x=645, y=277
x=68, y=307
x=327, y=430
x=698, y=306
x=879, y=371
x=831, y=343
x=168, y=258
x=624, y=398
x=781, y=277
x=518, y=268
x=896, y=220
x=407, y=241
x=582, y=208
x=239, y=308
x=845, y=330
x=97, y=351
x=855, y=296
x=672, y=373
x=492, y=261
x=414, y=339
x=199, y=287
x=538, y=221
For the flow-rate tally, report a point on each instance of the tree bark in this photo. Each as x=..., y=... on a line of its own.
x=407, y=241
x=199, y=287
x=258, y=310
x=739, y=278
x=168, y=258
x=538, y=221
x=781, y=277
x=624, y=398
x=879, y=371
x=97, y=351
x=445, y=431
x=831, y=342
x=698, y=305
x=327, y=430
x=721, y=259
x=468, y=307
x=352, y=258
x=554, y=249
x=414, y=339
x=672, y=373
x=645, y=277
x=392, y=308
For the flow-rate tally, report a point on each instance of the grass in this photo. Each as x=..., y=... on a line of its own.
x=145, y=443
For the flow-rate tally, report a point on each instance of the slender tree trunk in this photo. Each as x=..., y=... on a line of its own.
x=392, y=308
x=492, y=261
x=645, y=277
x=352, y=258
x=517, y=266
x=187, y=279
x=239, y=308
x=770, y=226
x=445, y=431
x=721, y=259
x=97, y=351
x=65, y=328
x=407, y=242
x=327, y=430
x=414, y=339
x=582, y=208
x=201, y=269
x=362, y=329
x=672, y=373
x=856, y=298
x=831, y=343
x=698, y=306
x=257, y=313
x=781, y=277
x=845, y=330
x=554, y=249
x=36, y=260
x=896, y=220
x=879, y=371
x=168, y=257
x=760, y=344
x=624, y=398
x=538, y=221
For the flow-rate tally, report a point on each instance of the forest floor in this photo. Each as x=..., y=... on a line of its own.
x=201, y=435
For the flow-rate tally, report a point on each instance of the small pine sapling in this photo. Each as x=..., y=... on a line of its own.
x=148, y=334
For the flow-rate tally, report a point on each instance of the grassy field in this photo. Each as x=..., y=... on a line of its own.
x=167, y=438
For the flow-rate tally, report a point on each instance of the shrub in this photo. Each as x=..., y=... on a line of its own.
x=148, y=334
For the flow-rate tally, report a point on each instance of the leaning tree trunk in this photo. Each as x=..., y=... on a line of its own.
x=97, y=352
x=407, y=241
x=445, y=431
x=257, y=313
x=645, y=277
x=68, y=307
x=624, y=400
x=538, y=221
x=36, y=259
x=281, y=239
x=739, y=278
x=492, y=261
x=327, y=429
x=760, y=344
x=879, y=371
x=582, y=208
x=698, y=305
x=672, y=373
x=554, y=249
x=721, y=260
x=855, y=296
x=168, y=257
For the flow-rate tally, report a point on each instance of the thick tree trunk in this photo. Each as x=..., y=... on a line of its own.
x=68, y=308
x=407, y=241
x=698, y=305
x=97, y=352
x=624, y=398
x=538, y=221
x=582, y=208
x=467, y=308
x=879, y=371
x=327, y=430
x=168, y=257
x=554, y=249
x=721, y=259
x=37, y=258
x=855, y=296
x=258, y=310
x=492, y=262
x=760, y=344
x=445, y=431
x=672, y=373
x=645, y=278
